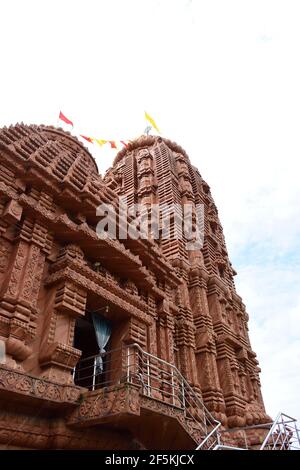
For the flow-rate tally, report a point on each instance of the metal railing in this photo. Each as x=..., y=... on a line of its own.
x=283, y=435
x=157, y=379
x=280, y=434
x=92, y=374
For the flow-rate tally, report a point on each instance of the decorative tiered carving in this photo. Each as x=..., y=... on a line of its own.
x=210, y=327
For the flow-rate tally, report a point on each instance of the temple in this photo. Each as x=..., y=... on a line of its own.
x=115, y=343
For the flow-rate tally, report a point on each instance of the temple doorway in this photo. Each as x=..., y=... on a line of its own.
x=91, y=369
x=84, y=337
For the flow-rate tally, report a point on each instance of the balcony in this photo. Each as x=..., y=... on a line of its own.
x=130, y=389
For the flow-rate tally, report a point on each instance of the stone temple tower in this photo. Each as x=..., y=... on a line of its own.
x=210, y=339
x=116, y=343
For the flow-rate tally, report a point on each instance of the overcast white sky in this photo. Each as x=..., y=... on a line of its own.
x=222, y=78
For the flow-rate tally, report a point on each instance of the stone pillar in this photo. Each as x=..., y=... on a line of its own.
x=65, y=302
x=146, y=180
x=57, y=355
x=20, y=290
x=185, y=336
x=152, y=339
x=205, y=345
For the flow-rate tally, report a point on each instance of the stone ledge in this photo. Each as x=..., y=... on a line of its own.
x=105, y=405
x=21, y=384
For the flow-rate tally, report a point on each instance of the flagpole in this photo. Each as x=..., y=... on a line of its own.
x=146, y=127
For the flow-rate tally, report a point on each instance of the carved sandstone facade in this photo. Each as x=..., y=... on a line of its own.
x=178, y=305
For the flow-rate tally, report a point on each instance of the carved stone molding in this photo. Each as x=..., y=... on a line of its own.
x=104, y=404
x=23, y=384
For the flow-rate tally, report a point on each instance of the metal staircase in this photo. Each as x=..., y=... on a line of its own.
x=281, y=434
x=162, y=380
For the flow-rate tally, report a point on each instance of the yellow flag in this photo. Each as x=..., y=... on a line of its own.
x=152, y=122
x=100, y=141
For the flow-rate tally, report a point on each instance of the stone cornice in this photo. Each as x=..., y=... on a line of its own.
x=135, y=307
